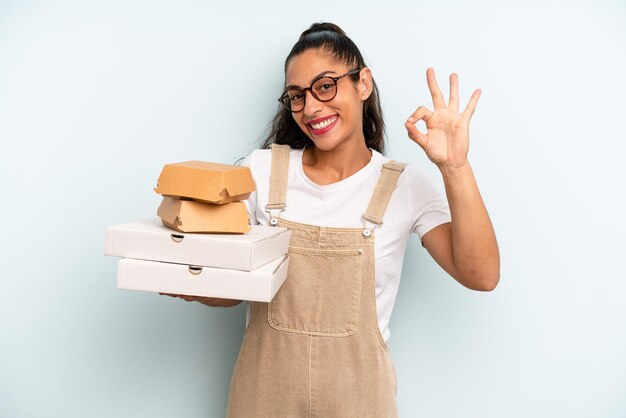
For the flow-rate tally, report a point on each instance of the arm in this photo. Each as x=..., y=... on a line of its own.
x=466, y=248
x=215, y=302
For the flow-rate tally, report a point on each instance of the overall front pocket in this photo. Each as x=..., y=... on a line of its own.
x=321, y=294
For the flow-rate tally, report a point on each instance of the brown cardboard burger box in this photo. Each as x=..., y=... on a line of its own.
x=206, y=182
x=193, y=216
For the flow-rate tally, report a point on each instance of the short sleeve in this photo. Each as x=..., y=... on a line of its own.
x=429, y=205
x=251, y=201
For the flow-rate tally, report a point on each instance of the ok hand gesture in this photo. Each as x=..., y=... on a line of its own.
x=447, y=141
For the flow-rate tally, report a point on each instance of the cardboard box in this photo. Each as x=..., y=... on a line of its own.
x=151, y=240
x=208, y=182
x=257, y=285
x=192, y=216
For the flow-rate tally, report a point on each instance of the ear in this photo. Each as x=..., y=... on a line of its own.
x=365, y=85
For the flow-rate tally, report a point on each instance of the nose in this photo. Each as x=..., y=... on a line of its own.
x=311, y=104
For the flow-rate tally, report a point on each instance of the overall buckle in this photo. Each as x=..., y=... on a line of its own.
x=274, y=213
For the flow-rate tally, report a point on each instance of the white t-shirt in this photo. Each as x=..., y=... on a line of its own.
x=416, y=206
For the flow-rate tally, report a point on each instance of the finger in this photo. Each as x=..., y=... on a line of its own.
x=414, y=133
x=422, y=113
x=169, y=294
x=454, y=92
x=435, y=92
x=471, y=106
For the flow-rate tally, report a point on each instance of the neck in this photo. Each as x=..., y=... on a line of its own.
x=326, y=167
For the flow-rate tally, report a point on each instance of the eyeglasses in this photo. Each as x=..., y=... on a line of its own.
x=323, y=89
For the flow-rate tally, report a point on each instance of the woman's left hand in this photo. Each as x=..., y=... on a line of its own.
x=447, y=141
x=216, y=302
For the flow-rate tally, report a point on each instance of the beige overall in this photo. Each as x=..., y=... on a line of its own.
x=316, y=350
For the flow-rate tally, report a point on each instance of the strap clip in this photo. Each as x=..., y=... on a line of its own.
x=368, y=227
x=274, y=212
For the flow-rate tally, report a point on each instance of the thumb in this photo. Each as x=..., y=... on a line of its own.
x=415, y=133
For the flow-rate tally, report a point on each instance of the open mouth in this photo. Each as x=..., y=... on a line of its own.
x=323, y=126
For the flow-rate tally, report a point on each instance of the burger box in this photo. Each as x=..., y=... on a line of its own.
x=207, y=182
x=257, y=285
x=192, y=216
x=151, y=240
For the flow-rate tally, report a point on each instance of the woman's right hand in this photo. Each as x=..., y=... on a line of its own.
x=215, y=302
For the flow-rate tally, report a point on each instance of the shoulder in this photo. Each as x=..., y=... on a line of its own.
x=260, y=163
x=411, y=173
x=256, y=157
x=419, y=186
x=260, y=158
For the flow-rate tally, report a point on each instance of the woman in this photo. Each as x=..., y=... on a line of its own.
x=319, y=348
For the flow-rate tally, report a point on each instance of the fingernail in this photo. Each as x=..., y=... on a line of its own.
x=411, y=119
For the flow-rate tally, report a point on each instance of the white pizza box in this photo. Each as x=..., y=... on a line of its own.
x=155, y=276
x=151, y=240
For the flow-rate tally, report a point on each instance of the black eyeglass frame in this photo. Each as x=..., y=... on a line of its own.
x=310, y=88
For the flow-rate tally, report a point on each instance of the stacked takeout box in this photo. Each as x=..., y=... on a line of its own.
x=203, y=243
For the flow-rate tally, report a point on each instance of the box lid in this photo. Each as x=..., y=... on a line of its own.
x=150, y=240
x=205, y=181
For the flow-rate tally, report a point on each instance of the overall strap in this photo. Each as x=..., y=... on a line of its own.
x=278, y=182
x=381, y=195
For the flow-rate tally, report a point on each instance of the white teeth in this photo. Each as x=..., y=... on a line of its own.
x=323, y=124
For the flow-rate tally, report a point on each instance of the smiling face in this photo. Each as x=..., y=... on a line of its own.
x=340, y=120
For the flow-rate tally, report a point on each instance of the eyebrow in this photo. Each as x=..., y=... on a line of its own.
x=314, y=78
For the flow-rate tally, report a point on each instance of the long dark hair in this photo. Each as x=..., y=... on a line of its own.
x=330, y=38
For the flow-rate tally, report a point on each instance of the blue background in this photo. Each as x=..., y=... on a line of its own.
x=96, y=96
